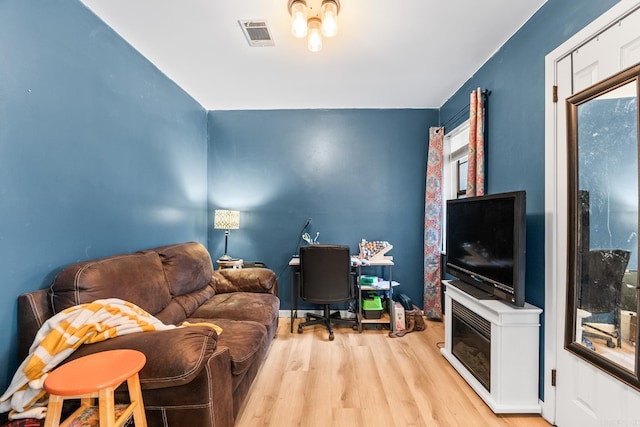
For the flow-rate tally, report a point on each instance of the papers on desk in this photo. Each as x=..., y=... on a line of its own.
x=383, y=284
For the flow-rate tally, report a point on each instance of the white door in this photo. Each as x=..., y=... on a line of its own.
x=585, y=396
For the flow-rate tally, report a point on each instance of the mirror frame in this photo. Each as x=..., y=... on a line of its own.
x=624, y=77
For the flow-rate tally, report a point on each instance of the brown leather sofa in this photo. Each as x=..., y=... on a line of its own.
x=193, y=376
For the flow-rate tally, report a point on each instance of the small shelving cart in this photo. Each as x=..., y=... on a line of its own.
x=385, y=263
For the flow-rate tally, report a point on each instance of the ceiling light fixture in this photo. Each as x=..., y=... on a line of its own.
x=313, y=22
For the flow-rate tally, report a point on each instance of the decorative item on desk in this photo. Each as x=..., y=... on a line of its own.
x=225, y=219
x=307, y=238
x=375, y=251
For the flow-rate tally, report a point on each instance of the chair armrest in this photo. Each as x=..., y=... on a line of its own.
x=259, y=280
x=174, y=357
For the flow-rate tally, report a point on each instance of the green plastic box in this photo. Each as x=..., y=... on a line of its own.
x=372, y=307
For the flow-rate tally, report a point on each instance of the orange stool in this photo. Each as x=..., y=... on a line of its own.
x=97, y=375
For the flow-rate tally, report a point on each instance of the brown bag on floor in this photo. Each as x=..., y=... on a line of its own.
x=414, y=320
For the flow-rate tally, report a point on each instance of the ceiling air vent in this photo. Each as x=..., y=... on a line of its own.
x=257, y=33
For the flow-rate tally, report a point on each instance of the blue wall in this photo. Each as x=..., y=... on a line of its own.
x=515, y=115
x=99, y=152
x=359, y=174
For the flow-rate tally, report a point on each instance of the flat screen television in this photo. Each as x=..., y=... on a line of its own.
x=486, y=241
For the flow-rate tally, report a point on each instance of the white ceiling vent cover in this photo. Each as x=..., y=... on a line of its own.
x=257, y=32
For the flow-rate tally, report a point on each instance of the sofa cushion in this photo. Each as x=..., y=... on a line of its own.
x=245, y=341
x=256, y=307
x=137, y=278
x=182, y=306
x=187, y=266
x=244, y=280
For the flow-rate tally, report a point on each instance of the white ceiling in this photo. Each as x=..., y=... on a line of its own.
x=387, y=54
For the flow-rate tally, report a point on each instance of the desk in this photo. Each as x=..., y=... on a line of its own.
x=294, y=264
x=233, y=263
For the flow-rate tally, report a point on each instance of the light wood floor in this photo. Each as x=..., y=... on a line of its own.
x=366, y=380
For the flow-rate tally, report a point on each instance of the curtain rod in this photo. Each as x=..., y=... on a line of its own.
x=465, y=109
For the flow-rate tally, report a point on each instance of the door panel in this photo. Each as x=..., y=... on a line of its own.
x=586, y=396
x=612, y=51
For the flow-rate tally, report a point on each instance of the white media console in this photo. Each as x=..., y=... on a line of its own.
x=510, y=336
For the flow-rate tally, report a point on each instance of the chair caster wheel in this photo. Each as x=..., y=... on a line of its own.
x=331, y=337
x=610, y=343
x=299, y=329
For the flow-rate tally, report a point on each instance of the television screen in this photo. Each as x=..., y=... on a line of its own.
x=486, y=244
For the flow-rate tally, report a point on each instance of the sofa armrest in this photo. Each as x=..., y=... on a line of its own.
x=260, y=280
x=34, y=308
x=174, y=357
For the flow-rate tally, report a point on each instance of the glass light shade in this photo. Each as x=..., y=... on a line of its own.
x=226, y=219
x=299, y=19
x=329, y=18
x=314, y=41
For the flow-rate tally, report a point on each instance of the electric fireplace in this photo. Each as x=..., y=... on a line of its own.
x=494, y=346
x=471, y=342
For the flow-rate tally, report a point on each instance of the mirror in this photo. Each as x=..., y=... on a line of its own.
x=602, y=300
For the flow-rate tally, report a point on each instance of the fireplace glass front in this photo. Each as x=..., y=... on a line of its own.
x=471, y=342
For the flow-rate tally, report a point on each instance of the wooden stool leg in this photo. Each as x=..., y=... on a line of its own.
x=87, y=402
x=135, y=395
x=107, y=407
x=54, y=411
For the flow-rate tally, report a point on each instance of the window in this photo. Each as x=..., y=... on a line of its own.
x=455, y=150
x=461, y=177
x=454, y=176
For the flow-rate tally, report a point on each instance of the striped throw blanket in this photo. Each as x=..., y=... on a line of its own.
x=60, y=336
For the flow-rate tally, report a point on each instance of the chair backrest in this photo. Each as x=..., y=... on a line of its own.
x=253, y=264
x=603, y=289
x=325, y=274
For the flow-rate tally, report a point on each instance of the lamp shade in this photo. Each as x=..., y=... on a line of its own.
x=226, y=219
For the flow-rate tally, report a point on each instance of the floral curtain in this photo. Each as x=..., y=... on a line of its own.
x=433, y=197
x=432, y=225
x=475, y=177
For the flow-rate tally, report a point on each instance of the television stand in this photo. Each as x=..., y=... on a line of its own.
x=474, y=291
x=494, y=346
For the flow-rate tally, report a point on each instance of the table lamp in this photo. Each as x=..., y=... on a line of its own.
x=226, y=220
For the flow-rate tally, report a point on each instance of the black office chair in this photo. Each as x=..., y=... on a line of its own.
x=601, y=292
x=253, y=264
x=325, y=272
